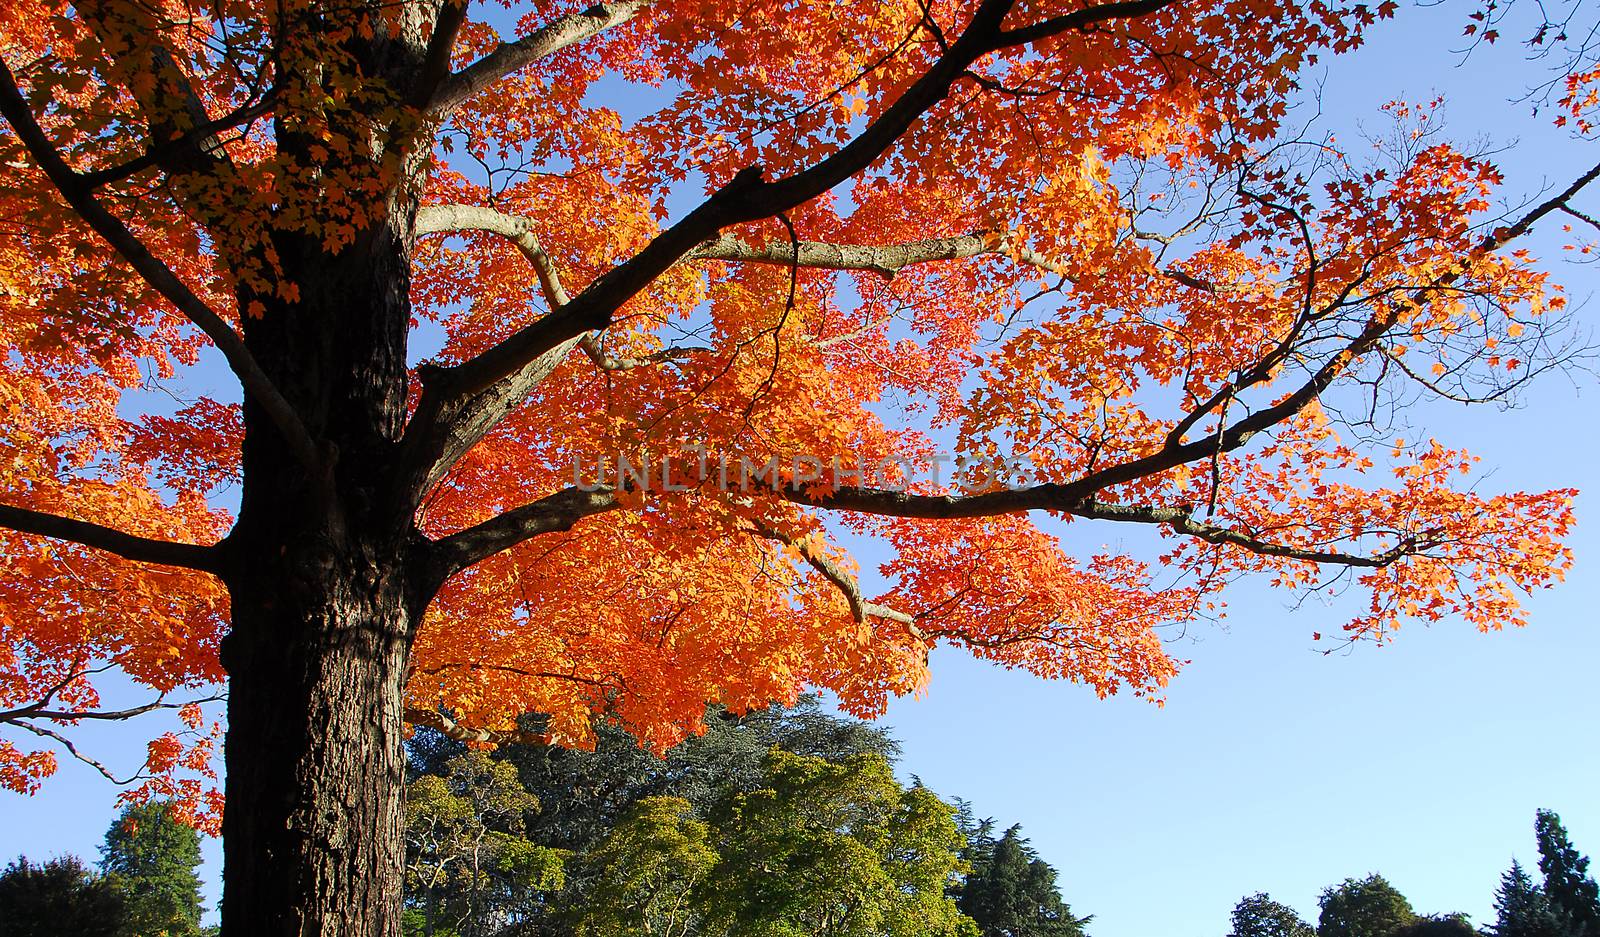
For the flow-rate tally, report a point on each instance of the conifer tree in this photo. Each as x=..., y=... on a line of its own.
x=151, y=857
x=1571, y=891
x=1011, y=892
x=1521, y=908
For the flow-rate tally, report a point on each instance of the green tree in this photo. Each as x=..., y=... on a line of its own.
x=646, y=871
x=1521, y=908
x=151, y=858
x=1011, y=892
x=470, y=867
x=1438, y=925
x=585, y=794
x=59, y=897
x=587, y=797
x=1258, y=915
x=1366, y=907
x=834, y=849
x=1572, y=893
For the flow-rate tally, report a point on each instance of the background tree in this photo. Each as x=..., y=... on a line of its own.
x=470, y=868
x=1258, y=915
x=1570, y=890
x=584, y=794
x=1010, y=892
x=645, y=873
x=152, y=859
x=58, y=897
x=1365, y=907
x=1439, y=925
x=1521, y=908
x=1077, y=231
x=833, y=850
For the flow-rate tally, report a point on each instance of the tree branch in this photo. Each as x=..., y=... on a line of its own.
x=555, y=512
x=436, y=58
x=860, y=608
x=547, y=40
x=80, y=197
x=466, y=393
x=455, y=731
x=206, y=559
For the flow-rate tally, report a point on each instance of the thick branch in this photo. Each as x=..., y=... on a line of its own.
x=885, y=260
x=436, y=58
x=79, y=195
x=556, y=512
x=549, y=39
x=125, y=545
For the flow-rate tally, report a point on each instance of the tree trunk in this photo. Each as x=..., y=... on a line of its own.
x=327, y=576
x=313, y=830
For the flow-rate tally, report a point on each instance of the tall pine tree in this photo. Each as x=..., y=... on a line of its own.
x=1572, y=893
x=150, y=857
x=1521, y=908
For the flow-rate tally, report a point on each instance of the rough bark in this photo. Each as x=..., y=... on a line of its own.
x=328, y=577
x=312, y=836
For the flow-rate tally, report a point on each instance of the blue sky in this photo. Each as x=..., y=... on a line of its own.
x=1272, y=767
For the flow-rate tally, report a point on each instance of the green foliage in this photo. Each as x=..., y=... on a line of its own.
x=1521, y=908
x=1572, y=893
x=1258, y=915
x=59, y=897
x=646, y=871
x=834, y=849
x=586, y=794
x=1438, y=925
x=470, y=868
x=1010, y=891
x=151, y=857
x=778, y=822
x=1367, y=907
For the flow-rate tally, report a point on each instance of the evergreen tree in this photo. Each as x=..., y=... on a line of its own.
x=57, y=898
x=1521, y=908
x=151, y=857
x=1571, y=892
x=1011, y=892
x=1367, y=907
x=1258, y=915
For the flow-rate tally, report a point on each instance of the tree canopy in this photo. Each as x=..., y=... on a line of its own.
x=58, y=897
x=1364, y=907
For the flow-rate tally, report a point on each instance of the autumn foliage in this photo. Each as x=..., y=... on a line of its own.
x=1089, y=240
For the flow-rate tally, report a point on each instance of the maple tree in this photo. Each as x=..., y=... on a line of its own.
x=1078, y=232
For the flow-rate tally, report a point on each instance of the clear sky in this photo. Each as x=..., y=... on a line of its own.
x=1272, y=767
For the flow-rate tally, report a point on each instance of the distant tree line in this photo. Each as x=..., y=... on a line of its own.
x=1566, y=903
x=781, y=822
x=778, y=823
